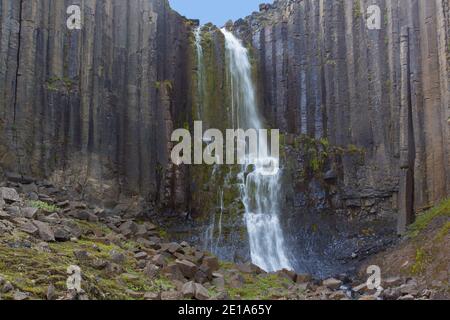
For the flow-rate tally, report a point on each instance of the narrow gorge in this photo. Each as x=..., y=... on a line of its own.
x=363, y=114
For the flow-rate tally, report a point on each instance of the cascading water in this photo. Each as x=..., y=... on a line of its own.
x=260, y=193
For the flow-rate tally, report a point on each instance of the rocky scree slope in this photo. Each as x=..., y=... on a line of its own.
x=44, y=230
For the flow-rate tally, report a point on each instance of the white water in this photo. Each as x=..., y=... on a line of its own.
x=260, y=193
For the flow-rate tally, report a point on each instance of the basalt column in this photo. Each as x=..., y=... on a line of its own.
x=407, y=148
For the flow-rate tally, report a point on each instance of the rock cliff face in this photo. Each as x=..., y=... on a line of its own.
x=365, y=114
x=324, y=74
x=94, y=108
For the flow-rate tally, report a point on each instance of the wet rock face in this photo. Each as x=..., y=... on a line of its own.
x=94, y=107
x=325, y=74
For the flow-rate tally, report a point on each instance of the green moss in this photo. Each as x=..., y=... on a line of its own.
x=445, y=230
x=32, y=271
x=357, y=12
x=50, y=208
x=420, y=262
x=424, y=220
x=60, y=84
x=261, y=287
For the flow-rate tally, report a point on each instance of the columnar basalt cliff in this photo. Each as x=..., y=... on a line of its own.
x=364, y=114
x=95, y=108
x=325, y=74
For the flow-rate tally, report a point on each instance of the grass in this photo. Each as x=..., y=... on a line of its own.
x=424, y=220
x=445, y=230
x=261, y=287
x=41, y=205
x=420, y=262
x=32, y=271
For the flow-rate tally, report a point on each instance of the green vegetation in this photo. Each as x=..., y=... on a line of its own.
x=318, y=153
x=357, y=12
x=33, y=270
x=424, y=220
x=41, y=205
x=58, y=84
x=445, y=230
x=420, y=262
x=262, y=287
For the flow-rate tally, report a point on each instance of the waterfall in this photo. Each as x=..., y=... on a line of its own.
x=260, y=193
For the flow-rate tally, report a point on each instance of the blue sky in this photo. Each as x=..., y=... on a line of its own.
x=216, y=11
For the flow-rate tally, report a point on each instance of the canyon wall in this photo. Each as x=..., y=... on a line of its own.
x=364, y=114
x=324, y=74
x=94, y=108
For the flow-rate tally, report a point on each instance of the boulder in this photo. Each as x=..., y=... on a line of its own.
x=211, y=263
x=171, y=295
x=188, y=290
x=173, y=272
x=51, y=292
x=409, y=289
x=187, y=268
x=29, y=188
x=171, y=248
x=159, y=260
x=9, y=195
x=117, y=257
x=218, y=281
x=4, y=215
x=29, y=228
x=81, y=255
x=62, y=235
x=202, y=275
x=20, y=296
x=7, y=287
x=151, y=270
x=200, y=292
x=244, y=267
x=14, y=211
x=332, y=283
x=99, y=264
x=391, y=282
x=45, y=232
x=29, y=212
x=391, y=294
x=128, y=228
x=81, y=215
x=338, y=295
x=288, y=274
x=150, y=296
x=303, y=278
x=236, y=281
x=141, y=255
